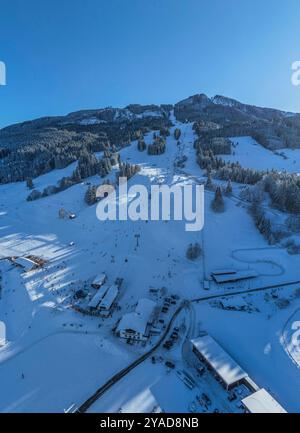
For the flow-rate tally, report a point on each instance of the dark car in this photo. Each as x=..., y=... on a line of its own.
x=170, y=364
x=206, y=399
x=232, y=396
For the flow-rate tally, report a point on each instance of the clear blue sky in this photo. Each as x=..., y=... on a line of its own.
x=66, y=55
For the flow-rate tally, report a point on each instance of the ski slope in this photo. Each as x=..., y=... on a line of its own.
x=55, y=357
x=250, y=154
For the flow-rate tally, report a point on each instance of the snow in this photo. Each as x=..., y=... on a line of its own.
x=250, y=154
x=132, y=322
x=219, y=359
x=149, y=113
x=256, y=342
x=91, y=121
x=25, y=263
x=138, y=320
x=145, y=307
x=236, y=276
x=99, y=280
x=109, y=297
x=96, y=299
x=262, y=402
x=222, y=100
x=65, y=356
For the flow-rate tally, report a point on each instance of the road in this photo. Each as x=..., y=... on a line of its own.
x=243, y=292
x=118, y=376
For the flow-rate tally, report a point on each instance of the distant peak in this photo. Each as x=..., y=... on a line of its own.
x=223, y=100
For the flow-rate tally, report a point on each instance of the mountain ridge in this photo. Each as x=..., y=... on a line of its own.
x=200, y=99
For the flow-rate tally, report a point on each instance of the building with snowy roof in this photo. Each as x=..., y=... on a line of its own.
x=222, y=277
x=97, y=298
x=109, y=298
x=25, y=263
x=145, y=307
x=262, y=402
x=134, y=325
x=223, y=365
x=98, y=281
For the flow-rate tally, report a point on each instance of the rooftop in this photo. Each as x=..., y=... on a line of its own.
x=138, y=320
x=98, y=296
x=262, y=402
x=99, y=279
x=221, y=361
x=134, y=322
x=145, y=307
x=109, y=297
x=236, y=276
x=27, y=264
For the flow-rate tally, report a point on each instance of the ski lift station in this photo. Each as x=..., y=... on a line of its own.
x=232, y=276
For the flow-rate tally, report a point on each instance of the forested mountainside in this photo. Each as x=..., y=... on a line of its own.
x=35, y=147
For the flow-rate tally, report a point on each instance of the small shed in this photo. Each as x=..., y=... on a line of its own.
x=98, y=281
x=25, y=263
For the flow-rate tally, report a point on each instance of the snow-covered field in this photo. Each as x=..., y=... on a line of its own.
x=256, y=340
x=250, y=154
x=55, y=357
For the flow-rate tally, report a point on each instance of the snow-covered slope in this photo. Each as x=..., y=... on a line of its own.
x=250, y=154
x=54, y=356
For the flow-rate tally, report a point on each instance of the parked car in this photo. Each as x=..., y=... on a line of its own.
x=232, y=396
x=168, y=344
x=170, y=364
x=206, y=399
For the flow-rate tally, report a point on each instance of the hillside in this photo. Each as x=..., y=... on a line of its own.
x=32, y=148
x=56, y=354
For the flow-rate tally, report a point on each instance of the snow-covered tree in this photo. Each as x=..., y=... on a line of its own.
x=194, y=251
x=228, y=190
x=29, y=183
x=90, y=195
x=218, y=204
